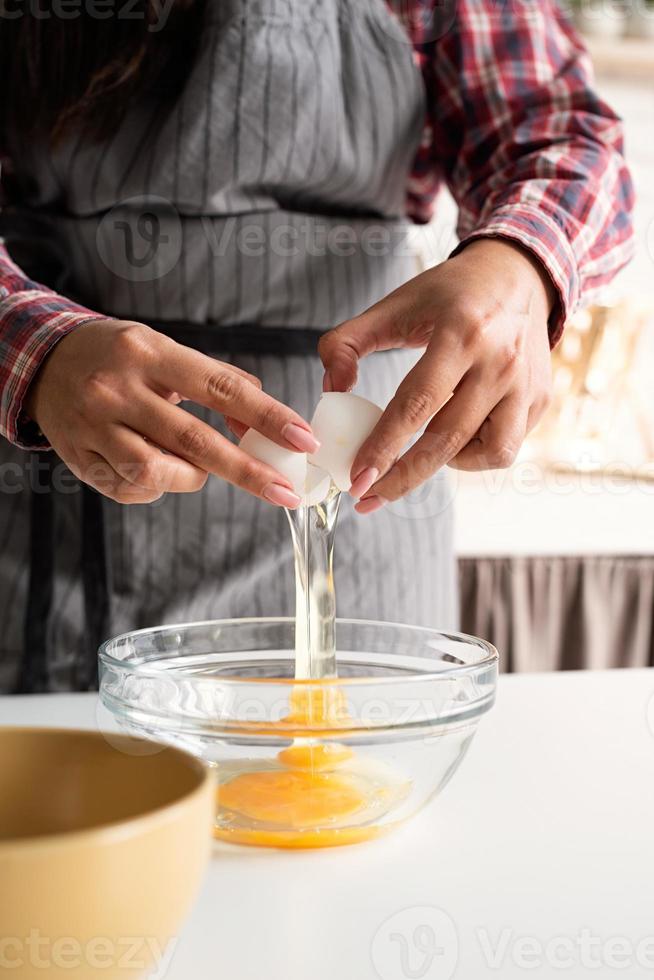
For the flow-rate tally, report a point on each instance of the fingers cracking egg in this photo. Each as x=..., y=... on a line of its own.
x=342, y=422
x=309, y=482
x=291, y=465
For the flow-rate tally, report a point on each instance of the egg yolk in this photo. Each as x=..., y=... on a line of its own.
x=301, y=839
x=309, y=799
x=292, y=798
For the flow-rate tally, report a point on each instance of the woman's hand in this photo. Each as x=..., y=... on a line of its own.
x=107, y=399
x=482, y=383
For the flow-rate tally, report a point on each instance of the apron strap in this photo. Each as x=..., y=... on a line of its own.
x=242, y=338
x=95, y=580
x=34, y=676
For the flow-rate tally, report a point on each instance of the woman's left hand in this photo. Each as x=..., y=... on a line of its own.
x=482, y=383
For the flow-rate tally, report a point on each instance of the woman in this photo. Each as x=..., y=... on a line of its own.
x=206, y=189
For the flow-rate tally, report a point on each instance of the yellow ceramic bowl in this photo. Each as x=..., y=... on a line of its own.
x=102, y=847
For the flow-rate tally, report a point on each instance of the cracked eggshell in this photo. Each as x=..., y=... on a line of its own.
x=342, y=422
x=317, y=485
x=291, y=465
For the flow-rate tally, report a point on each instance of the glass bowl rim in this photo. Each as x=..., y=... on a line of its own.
x=489, y=659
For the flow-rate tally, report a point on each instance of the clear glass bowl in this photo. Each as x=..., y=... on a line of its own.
x=306, y=763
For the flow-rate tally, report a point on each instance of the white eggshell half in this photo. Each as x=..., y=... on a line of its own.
x=317, y=486
x=291, y=465
x=342, y=422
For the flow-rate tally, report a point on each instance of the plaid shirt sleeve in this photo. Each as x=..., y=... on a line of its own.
x=32, y=320
x=527, y=148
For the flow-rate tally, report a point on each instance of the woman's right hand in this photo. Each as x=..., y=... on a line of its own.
x=107, y=399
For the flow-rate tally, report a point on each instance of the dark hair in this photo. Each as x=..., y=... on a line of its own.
x=57, y=74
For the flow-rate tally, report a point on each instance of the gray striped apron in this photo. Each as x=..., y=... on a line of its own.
x=265, y=206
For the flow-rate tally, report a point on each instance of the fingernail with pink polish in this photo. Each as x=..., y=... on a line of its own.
x=364, y=481
x=370, y=505
x=281, y=496
x=303, y=440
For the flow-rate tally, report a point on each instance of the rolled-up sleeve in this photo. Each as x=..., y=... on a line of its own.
x=526, y=146
x=32, y=320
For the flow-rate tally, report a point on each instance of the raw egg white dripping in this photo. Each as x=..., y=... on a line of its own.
x=316, y=792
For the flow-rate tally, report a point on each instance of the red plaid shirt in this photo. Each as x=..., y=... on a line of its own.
x=513, y=128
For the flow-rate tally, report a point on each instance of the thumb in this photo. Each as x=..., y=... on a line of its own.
x=342, y=348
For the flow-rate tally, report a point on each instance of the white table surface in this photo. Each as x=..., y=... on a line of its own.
x=544, y=836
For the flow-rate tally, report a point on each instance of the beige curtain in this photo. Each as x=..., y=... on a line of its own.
x=565, y=613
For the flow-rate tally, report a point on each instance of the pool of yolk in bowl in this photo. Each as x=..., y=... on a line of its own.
x=308, y=797
x=295, y=798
